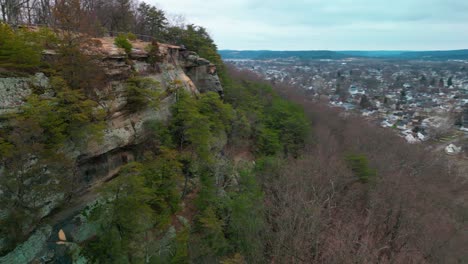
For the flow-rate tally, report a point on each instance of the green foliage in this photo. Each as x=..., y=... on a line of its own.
x=154, y=56
x=360, y=166
x=219, y=113
x=32, y=175
x=11, y=229
x=138, y=205
x=181, y=255
x=67, y=115
x=277, y=125
x=230, y=223
x=21, y=49
x=161, y=134
x=268, y=164
x=268, y=141
x=162, y=176
x=121, y=41
x=152, y=21
x=79, y=70
x=197, y=123
x=131, y=36
x=290, y=123
x=450, y=81
x=6, y=148
x=142, y=93
x=35, y=168
x=189, y=127
x=123, y=219
x=241, y=131
x=246, y=223
x=196, y=38
x=236, y=259
x=143, y=197
x=207, y=241
x=212, y=228
x=45, y=123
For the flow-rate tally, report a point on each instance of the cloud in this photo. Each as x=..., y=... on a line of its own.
x=329, y=24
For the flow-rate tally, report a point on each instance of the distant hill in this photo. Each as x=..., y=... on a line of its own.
x=437, y=55
x=372, y=54
x=269, y=54
x=411, y=55
x=325, y=54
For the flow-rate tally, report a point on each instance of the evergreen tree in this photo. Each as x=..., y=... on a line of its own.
x=450, y=81
x=365, y=103
x=21, y=49
x=150, y=21
x=359, y=164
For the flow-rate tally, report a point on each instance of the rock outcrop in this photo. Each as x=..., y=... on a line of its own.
x=14, y=90
x=202, y=72
x=125, y=134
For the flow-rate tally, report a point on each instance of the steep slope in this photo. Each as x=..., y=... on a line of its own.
x=124, y=134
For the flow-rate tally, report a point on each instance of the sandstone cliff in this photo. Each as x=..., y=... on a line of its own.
x=123, y=136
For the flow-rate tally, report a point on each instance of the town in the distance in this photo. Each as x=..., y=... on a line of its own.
x=422, y=96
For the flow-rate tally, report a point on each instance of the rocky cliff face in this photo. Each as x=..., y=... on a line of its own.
x=14, y=90
x=124, y=133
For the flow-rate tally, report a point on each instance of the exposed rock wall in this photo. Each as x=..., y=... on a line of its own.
x=125, y=134
x=202, y=72
x=125, y=131
x=184, y=69
x=14, y=90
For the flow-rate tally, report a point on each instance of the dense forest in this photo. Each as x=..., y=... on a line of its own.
x=258, y=174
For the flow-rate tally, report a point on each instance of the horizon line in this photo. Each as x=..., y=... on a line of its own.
x=352, y=50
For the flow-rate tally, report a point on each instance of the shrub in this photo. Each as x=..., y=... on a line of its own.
x=143, y=197
x=121, y=41
x=360, y=166
x=19, y=49
x=153, y=53
x=141, y=93
x=131, y=36
x=268, y=142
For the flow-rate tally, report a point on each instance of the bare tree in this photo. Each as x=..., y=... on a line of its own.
x=11, y=10
x=318, y=212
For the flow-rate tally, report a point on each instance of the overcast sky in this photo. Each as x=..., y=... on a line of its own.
x=328, y=24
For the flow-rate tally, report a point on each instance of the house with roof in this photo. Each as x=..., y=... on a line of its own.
x=453, y=150
x=354, y=90
x=423, y=135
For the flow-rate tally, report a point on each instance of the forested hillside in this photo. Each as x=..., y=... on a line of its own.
x=125, y=139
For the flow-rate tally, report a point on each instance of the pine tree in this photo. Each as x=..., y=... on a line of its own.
x=151, y=21
x=19, y=49
x=450, y=81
